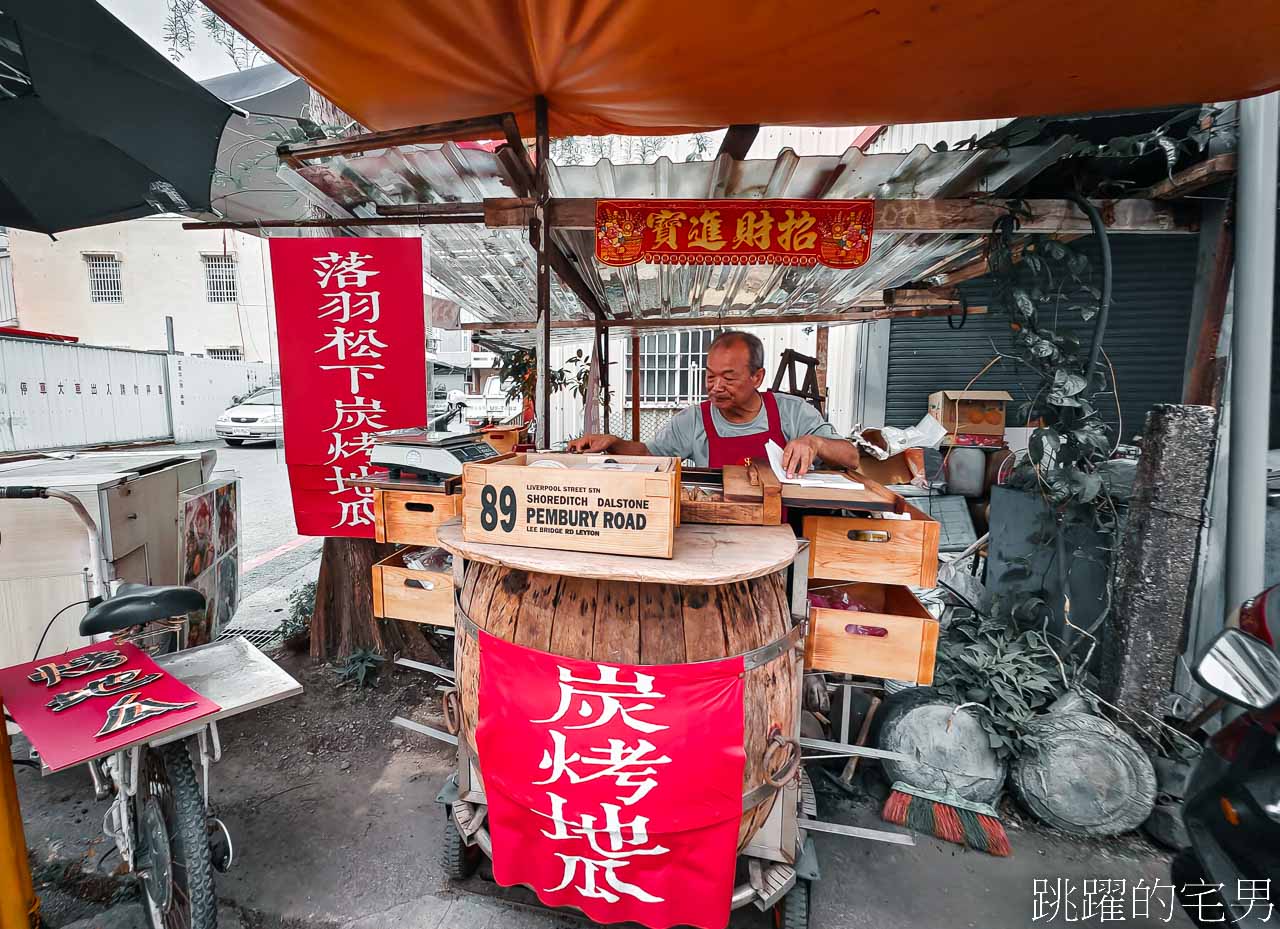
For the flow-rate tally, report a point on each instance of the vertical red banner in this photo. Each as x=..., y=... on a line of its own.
x=353, y=362
x=616, y=789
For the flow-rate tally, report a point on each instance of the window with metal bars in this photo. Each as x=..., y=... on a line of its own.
x=104, y=279
x=220, y=278
x=225, y=354
x=673, y=366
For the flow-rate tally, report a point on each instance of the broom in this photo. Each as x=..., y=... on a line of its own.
x=976, y=825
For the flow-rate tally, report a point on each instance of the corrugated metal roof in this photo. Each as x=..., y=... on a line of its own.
x=492, y=272
x=906, y=136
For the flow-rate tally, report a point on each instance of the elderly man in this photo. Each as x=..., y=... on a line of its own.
x=737, y=419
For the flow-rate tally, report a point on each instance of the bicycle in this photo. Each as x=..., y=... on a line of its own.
x=159, y=815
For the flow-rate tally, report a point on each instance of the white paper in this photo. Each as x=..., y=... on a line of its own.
x=833, y=481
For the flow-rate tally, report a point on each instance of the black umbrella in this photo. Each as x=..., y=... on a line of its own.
x=95, y=125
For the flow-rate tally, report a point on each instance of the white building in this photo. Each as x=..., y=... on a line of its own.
x=116, y=285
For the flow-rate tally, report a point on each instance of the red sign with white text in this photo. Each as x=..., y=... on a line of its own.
x=92, y=700
x=616, y=789
x=353, y=362
x=803, y=233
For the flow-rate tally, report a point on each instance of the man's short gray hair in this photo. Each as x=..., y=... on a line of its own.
x=755, y=348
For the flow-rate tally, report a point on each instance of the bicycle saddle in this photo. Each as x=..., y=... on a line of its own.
x=135, y=604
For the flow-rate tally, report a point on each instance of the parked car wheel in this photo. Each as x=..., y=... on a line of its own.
x=234, y=442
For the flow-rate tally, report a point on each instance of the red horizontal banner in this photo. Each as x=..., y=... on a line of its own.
x=835, y=233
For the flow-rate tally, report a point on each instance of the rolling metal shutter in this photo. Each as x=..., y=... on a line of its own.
x=1146, y=338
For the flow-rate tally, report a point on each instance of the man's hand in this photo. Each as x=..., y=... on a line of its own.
x=798, y=456
x=592, y=442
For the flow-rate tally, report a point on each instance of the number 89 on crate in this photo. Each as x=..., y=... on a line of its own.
x=614, y=504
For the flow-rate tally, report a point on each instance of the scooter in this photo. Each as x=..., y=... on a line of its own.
x=1230, y=876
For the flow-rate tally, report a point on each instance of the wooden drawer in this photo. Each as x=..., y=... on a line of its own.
x=400, y=592
x=884, y=551
x=504, y=440
x=406, y=517
x=141, y=510
x=895, y=637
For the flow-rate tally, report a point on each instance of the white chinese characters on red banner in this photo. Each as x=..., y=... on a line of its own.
x=615, y=789
x=352, y=338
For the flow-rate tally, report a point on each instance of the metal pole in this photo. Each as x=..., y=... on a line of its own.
x=602, y=340
x=1251, y=345
x=635, y=387
x=542, y=397
x=18, y=903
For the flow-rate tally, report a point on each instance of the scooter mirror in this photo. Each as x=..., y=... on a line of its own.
x=1241, y=668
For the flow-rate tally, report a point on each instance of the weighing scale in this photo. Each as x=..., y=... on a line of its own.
x=428, y=456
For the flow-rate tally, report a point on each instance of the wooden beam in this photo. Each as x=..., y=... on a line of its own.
x=338, y=222
x=822, y=340
x=936, y=296
x=469, y=208
x=572, y=278
x=1210, y=171
x=297, y=153
x=738, y=140
x=515, y=158
x=974, y=217
x=1213, y=281
x=860, y=315
x=978, y=267
x=542, y=400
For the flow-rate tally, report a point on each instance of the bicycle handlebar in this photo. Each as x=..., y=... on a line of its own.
x=23, y=492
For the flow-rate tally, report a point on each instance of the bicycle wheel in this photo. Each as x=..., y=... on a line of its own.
x=174, y=864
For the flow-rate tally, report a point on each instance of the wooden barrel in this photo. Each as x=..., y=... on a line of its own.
x=630, y=622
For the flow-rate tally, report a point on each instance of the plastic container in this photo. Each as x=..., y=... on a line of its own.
x=966, y=470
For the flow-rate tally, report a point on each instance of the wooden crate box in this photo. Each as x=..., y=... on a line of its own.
x=566, y=505
x=895, y=637
x=409, y=517
x=504, y=439
x=887, y=551
x=401, y=592
x=740, y=502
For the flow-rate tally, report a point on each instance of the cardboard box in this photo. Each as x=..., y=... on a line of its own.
x=970, y=412
x=584, y=503
x=901, y=468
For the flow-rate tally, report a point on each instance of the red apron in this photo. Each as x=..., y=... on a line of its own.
x=739, y=449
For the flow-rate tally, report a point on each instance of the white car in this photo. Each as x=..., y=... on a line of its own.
x=257, y=418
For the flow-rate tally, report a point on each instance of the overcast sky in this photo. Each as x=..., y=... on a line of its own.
x=146, y=18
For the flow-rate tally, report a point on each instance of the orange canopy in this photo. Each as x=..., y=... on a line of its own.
x=665, y=66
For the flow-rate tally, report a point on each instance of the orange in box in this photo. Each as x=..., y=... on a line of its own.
x=970, y=412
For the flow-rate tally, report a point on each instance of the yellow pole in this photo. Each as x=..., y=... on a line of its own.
x=19, y=908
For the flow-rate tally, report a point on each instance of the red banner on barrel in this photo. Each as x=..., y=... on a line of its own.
x=835, y=233
x=616, y=789
x=353, y=362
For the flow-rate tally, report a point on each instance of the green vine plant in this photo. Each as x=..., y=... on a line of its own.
x=519, y=369
x=1008, y=664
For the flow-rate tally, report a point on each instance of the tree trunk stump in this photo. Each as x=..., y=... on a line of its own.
x=343, y=621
